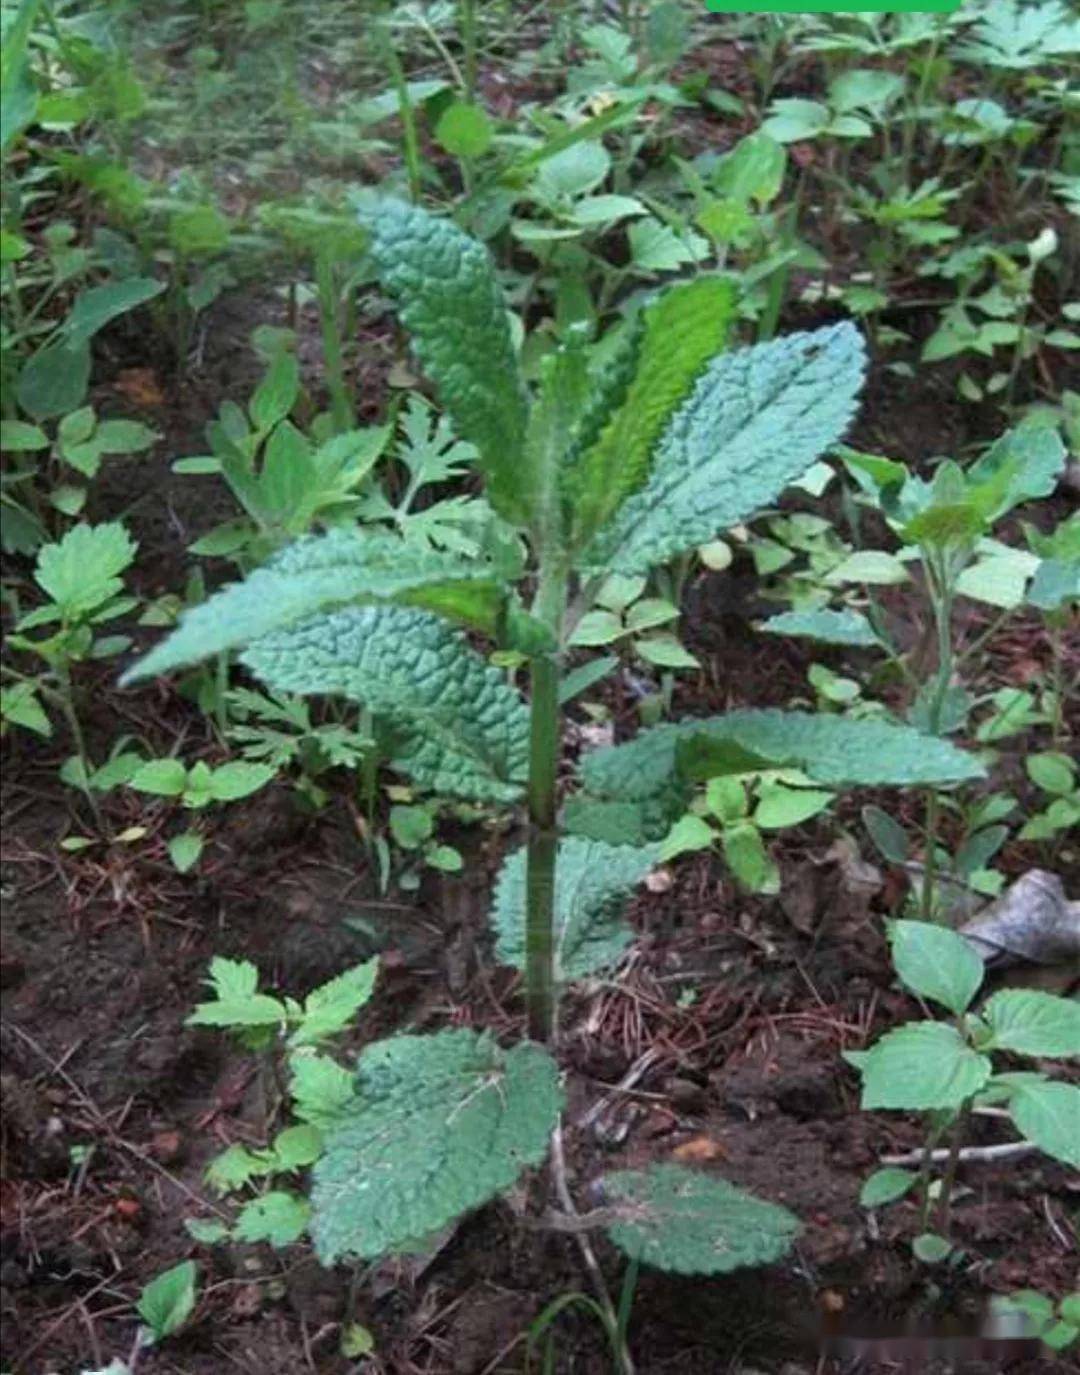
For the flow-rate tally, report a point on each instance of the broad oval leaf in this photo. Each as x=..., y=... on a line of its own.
x=320, y=572
x=756, y=420
x=920, y=1066
x=592, y=884
x=444, y=285
x=886, y=1186
x=936, y=963
x=166, y=1302
x=1031, y=1022
x=459, y=728
x=691, y=1223
x=440, y=1125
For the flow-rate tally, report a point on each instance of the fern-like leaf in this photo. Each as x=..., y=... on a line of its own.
x=459, y=728
x=755, y=421
x=694, y=1224
x=320, y=572
x=439, y=1125
x=592, y=884
x=444, y=285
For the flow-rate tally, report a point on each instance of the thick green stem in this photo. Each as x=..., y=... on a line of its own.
x=543, y=844
x=409, y=138
x=550, y=607
x=340, y=404
x=942, y=601
x=67, y=703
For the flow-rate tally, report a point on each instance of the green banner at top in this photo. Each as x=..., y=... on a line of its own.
x=832, y=6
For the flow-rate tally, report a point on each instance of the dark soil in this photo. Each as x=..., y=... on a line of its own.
x=731, y=1011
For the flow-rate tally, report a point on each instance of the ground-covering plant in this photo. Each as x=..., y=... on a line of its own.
x=949, y=1069
x=615, y=472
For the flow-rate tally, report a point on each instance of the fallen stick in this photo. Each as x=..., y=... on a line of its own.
x=1002, y=1152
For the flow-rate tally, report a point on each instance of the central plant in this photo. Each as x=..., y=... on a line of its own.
x=606, y=468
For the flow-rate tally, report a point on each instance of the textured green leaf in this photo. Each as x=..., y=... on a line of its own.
x=444, y=285
x=829, y=627
x=54, y=380
x=683, y=329
x=1022, y=465
x=277, y=1217
x=82, y=570
x=321, y=1089
x=97, y=305
x=440, y=1125
x=655, y=768
x=554, y=422
x=1031, y=1022
x=459, y=728
x=694, y=1224
x=318, y=573
x=332, y=1006
x=592, y=884
x=1048, y=1113
x=755, y=421
x=936, y=963
x=920, y=1066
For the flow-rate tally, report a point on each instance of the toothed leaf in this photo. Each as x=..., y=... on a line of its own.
x=828, y=627
x=458, y=727
x=695, y=1224
x=321, y=572
x=444, y=285
x=683, y=329
x=593, y=882
x=756, y=420
x=440, y=1125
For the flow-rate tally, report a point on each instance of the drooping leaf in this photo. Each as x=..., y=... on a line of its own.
x=754, y=422
x=1048, y=1113
x=459, y=728
x=921, y=1066
x=1031, y=1022
x=845, y=627
x=97, y=305
x=657, y=766
x=18, y=94
x=592, y=884
x=692, y=1223
x=54, y=380
x=445, y=288
x=936, y=963
x=318, y=573
x=683, y=329
x=440, y=1125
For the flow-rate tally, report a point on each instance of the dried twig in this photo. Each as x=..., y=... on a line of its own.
x=1005, y=1151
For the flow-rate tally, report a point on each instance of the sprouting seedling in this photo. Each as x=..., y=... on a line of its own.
x=944, y=1068
x=613, y=470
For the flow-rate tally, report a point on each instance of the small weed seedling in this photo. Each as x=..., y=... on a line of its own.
x=945, y=1069
x=613, y=468
x=1058, y=1326
x=82, y=577
x=164, y=1305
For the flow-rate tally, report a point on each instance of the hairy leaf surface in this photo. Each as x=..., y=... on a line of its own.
x=320, y=572
x=592, y=884
x=654, y=769
x=440, y=1124
x=683, y=329
x=444, y=285
x=755, y=421
x=694, y=1224
x=845, y=627
x=460, y=729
